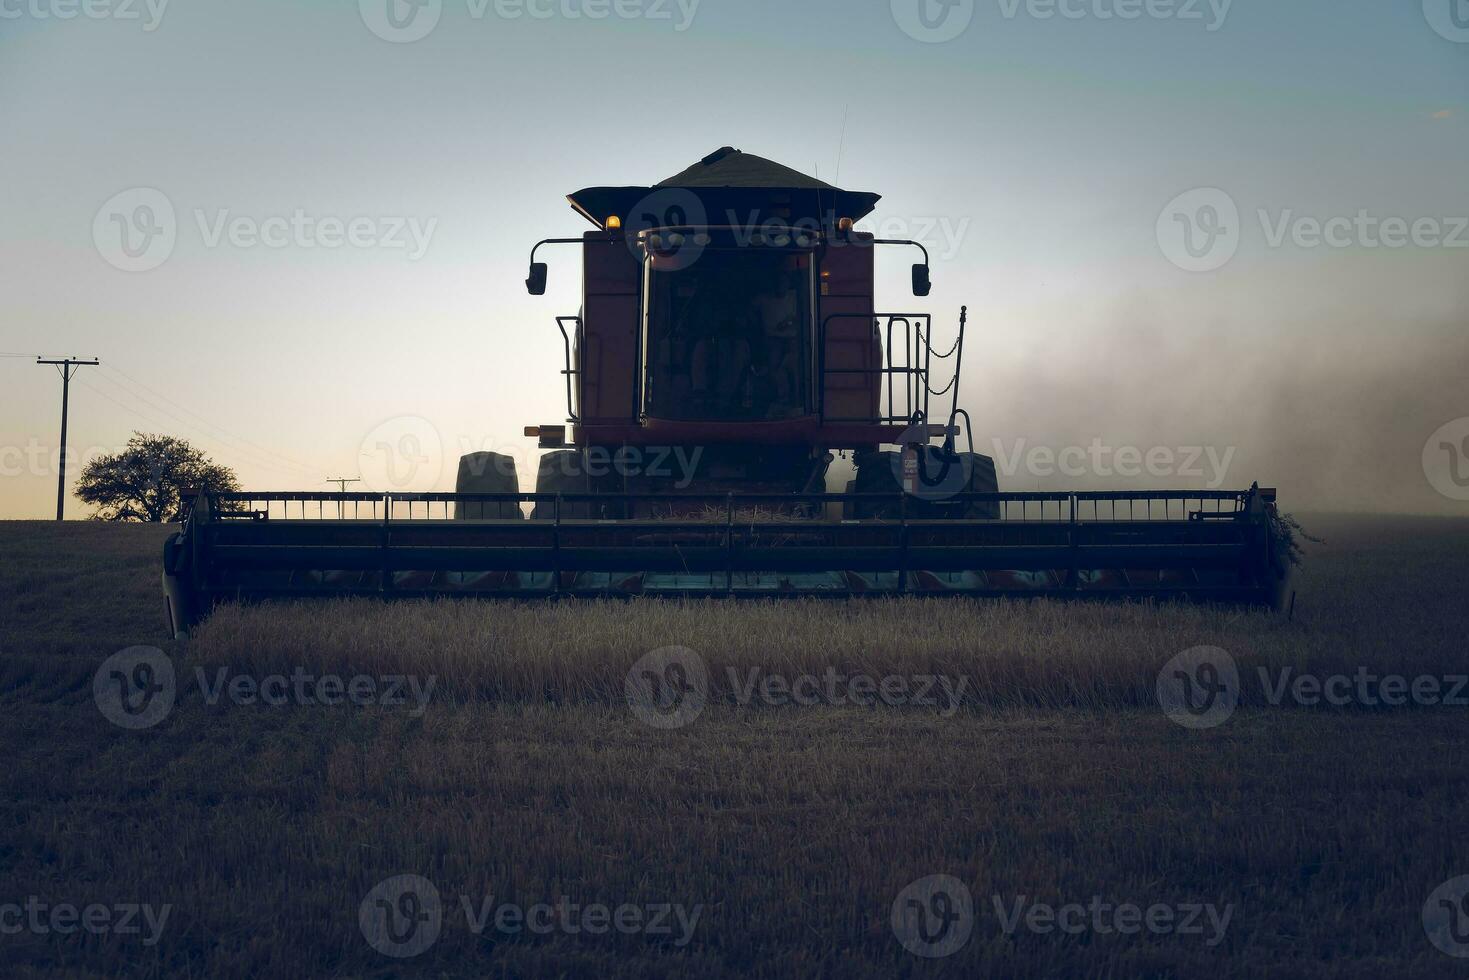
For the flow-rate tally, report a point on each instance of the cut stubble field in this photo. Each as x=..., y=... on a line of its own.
x=783, y=833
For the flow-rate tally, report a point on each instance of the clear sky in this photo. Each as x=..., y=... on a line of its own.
x=1041, y=151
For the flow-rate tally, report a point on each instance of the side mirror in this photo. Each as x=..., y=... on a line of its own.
x=535, y=283
x=921, y=284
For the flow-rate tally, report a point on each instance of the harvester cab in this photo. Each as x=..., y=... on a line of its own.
x=727, y=345
x=728, y=321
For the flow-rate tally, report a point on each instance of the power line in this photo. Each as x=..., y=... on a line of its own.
x=67, y=367
x=225, y=452
x=144, y=416
x=258, y=457
x=237, y=437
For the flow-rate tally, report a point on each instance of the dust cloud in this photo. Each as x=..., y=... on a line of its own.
x=1334, y=415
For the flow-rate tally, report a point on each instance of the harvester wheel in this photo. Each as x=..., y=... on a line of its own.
x=940, y=504
x=879, y=473
x=983, y=479
x=876, y=473
x=486, y=473
x=565, y=471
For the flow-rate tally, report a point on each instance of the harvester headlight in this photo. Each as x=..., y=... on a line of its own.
x=780, y=241
x=701, y=239
x=675, y=240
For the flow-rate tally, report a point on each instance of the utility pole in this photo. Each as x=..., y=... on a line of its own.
x=67, y=367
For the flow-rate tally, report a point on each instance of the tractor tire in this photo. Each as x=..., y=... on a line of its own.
x=564, y=471
x=486, y=473
x=876, y=473
x=983, y=479
x=975, y=474
x=879, y=473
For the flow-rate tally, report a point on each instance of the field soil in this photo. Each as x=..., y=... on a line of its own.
x=533, y=755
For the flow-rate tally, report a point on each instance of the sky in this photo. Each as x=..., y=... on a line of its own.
x=1240, y=228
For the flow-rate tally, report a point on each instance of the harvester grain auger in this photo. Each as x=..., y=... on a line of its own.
x=727, y=345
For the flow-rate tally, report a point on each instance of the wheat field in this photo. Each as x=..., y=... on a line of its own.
x=785, y=831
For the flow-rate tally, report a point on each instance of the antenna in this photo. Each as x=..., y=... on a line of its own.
x=841, y=143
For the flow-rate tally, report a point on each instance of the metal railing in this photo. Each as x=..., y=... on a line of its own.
x=1015, y=506
x=906, y=372
x=572, y=370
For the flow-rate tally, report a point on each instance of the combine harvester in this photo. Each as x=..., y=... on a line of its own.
x=749, y=349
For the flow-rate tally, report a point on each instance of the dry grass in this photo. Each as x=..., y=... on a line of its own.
x=794, y=827
x=1041, y=654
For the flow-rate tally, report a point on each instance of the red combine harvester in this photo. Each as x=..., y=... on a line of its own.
x=728, y=345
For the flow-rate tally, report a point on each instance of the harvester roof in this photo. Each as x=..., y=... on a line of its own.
x=730, y=180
